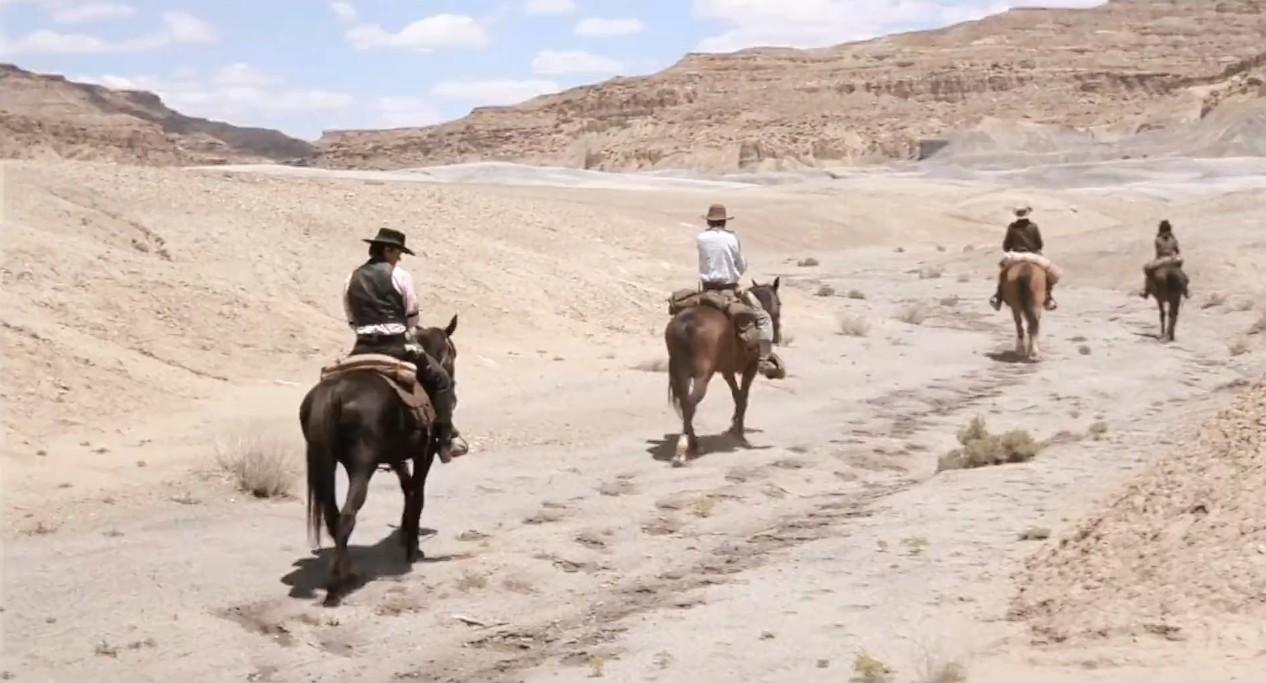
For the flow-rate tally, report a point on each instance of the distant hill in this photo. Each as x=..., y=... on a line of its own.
x=47, y=116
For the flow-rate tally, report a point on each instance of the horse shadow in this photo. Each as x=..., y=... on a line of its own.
x=383, y=559
x=665, y=448
x=1009, y=357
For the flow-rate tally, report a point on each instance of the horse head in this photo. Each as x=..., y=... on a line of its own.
x=768, y=297
x=438, y=344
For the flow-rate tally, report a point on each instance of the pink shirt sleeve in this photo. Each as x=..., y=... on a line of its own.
x=404, y=284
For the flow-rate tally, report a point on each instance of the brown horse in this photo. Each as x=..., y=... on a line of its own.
x=1169, y=285
x=357, y=420
x=703, y=341
x=1024, y=290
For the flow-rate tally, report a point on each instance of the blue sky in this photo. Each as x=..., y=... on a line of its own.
x=304, y=66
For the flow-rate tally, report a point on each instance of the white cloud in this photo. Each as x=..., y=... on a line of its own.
x=181, y=27
x=344, y=11
x=88, y=12
x=424, y=35
x=492, y=92
x=597, y=27
x=243, y=75
x=819, y=23
x=549, y=6
x=559, y=62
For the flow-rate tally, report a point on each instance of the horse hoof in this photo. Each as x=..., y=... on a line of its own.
x=679, y=462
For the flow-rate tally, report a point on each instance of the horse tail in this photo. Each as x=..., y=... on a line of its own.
x=321, y=428
x=1028, y=306
x=1175, y=283
x=678, y=337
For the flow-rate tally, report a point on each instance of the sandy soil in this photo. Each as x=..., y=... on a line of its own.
x=179, y=304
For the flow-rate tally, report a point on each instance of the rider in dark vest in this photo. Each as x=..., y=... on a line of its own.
x=382, y=309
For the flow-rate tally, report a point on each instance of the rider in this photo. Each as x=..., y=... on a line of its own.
x=721, y=265
x=382, y=308
x=1166, y=250
x=1023, y=236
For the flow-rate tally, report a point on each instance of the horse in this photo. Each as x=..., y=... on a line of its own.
x=1169, y=285
x=356, y=419
x=1024, y=290
x=702, y=341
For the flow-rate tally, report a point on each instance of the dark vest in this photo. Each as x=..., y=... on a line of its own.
x=372, y=297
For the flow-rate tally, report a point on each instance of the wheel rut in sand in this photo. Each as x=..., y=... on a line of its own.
x=509, y=650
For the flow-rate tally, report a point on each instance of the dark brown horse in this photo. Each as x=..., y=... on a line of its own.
x=1169, y=285
x=703, y=341
x=357, y=420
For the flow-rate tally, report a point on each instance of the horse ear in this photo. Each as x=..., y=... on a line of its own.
x=777, y=280
x=452, y=326
x=755, y=284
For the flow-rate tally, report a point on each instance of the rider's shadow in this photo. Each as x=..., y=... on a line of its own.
x=665, y=448
x=383, y=559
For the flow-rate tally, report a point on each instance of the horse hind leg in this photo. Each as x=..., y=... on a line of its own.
x=358, y=475
x=688, y=442
x=1020, y=349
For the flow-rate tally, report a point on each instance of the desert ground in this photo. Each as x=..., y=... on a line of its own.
x=160, y=321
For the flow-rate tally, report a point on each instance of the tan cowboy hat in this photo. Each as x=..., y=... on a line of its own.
x=717, y=212
x=1022, y=211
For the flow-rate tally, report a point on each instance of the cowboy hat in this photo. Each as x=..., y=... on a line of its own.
x=717, y=212
x=390, y=238
x=1022, y=211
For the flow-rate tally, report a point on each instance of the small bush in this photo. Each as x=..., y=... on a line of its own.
x=825, y=290
x=856, y=294
x=1214, y=300
x=950, y=301
x=1243, y=305
x=807, y=262
x=854, y=326
x=653, y=365
x=931, y=272
x=867, y=669
x=1259, y=326
x=964, y=277
x=259, y=460
x=982, y=449
x=915, y=314
x=1238, y=346
x=1098, y=430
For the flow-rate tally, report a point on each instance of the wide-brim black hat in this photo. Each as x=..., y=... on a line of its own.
x=390, y=238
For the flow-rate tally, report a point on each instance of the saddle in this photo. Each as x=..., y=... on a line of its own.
x=729, y=302
x=1174, y=260
x=402, y=376
x=1009, y=258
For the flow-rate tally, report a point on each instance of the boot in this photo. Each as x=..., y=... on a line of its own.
x=996, y=299
x=1050, y=298
x=1147, y=285
x=770, y=365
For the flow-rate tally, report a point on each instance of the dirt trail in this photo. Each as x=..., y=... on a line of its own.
x=830, y=533
x=565, y=546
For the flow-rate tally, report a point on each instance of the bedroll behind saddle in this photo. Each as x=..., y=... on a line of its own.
x=401, y=376
x=725, y=301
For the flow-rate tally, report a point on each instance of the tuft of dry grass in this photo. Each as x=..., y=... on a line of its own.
x=867, y=669
x=1215, y=299
x=854, y=325
x=1259, y=326
x=915, y=314
x=1238, y=346
x=1243, y=305
x=964, y=277
x=1098, y=430
x=950, y=301
x=825, y=290
x=807, y=262
x=945, y=672
x=1035, y=533
x=856, y=294
x=259, y=460
x=470, y=581
x=979, y=448
x=653, y=365
x=931, y=272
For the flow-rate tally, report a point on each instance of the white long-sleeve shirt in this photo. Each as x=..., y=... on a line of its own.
x=403, y=282
x=720, y=257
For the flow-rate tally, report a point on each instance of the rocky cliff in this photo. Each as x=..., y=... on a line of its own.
x=1127, y=64
x=47, y=116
